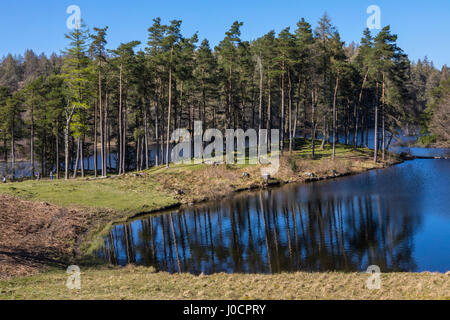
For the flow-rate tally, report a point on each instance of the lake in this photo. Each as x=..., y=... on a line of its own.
x=397, y=218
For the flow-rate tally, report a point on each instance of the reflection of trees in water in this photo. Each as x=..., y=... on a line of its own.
x=270, y=233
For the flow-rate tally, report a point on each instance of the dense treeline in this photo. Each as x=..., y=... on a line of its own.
x=115, y=104
x=435, y=119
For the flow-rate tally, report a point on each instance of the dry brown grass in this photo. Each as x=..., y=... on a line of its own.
x=142, y=284
x=34, y=235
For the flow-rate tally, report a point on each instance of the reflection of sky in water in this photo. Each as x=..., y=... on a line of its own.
x=396, y=218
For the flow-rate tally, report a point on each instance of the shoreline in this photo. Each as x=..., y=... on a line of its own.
x=178, y=187
x=100, y=281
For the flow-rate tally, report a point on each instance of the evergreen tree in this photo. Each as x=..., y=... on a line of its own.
x=77, y=71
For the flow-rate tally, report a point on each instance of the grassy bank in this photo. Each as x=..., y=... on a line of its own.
x=143, y=283
x=123, y=194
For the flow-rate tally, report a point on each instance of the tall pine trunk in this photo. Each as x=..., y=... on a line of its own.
x=269, y=110
x=291, y=134
x=145, y=135
x=32, y=142
x=66, y=150
x=124, y=137
x=260, y=106
x=105, y=131
x=82, y=157
x=313, y=119
x=95, y=140
x=157, y=153
x=169, y=109
x=77, y=159
x=383, y=142
x=282, y=109
x=357, y=108
x=57, y=151
x=13, y=151
x=335, y=116
x=120, y=150
x=102, y=137
x=375, y=157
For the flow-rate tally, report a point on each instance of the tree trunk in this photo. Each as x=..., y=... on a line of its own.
x=102, y=128
x=120, y=149
x=230, y=94
x=335, y=116
x=313, y=121
x=291, y=135
x=282, y=110
x=145, y=135
x=95, y=140
x=13, y=151
x=169, y=109
x=32, y=142
x=203, y=103
x=269, y=111
x=124, y=137
x=297, y=110
x=82, y=157
x=383, y=142
x=157, y=131
x=77, y=159
x=66, y=149
x=106, y=152
x=57, y=152
x=260, y=106
x=358, y=106
x=324, y=131
x=375, y=157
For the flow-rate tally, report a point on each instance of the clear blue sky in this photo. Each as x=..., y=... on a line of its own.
x=423, y=27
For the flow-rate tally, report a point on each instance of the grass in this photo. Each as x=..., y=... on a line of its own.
x=139, y=283
x=127, y=194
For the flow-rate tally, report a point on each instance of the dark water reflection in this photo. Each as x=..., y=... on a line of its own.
x=397, y=218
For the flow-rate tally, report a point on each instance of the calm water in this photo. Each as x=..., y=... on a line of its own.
x=397, y=218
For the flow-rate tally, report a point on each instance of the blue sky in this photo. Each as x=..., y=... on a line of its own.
x=423, y=27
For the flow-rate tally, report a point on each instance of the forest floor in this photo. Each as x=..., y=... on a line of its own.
x=53, y=223
x=140, y=283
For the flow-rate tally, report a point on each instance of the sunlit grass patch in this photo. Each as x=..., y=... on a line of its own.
x=126, y=194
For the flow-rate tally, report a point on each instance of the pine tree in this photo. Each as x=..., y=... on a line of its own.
x=124, y=62
x=13, y=124
x=77, y=71
x=227, y=60
x=305, y=72
x=98, y=52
